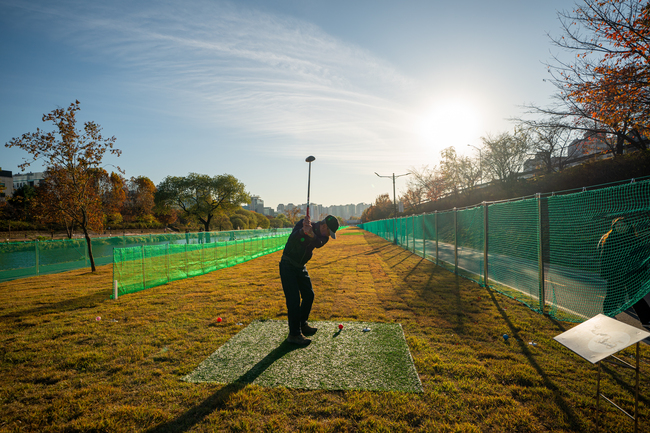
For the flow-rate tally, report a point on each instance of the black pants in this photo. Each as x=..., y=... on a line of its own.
x=296, y=285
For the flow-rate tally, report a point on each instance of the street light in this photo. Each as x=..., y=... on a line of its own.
x=480, y=161
x=394, y=204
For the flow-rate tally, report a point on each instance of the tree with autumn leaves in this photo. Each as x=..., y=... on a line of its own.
x=605, y=88
x=73, y=161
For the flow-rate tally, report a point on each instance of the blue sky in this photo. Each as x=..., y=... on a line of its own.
x=251, y=88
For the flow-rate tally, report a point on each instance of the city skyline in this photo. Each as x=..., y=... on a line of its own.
x=317, y=210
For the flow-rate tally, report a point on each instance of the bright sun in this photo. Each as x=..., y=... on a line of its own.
x=449, y=123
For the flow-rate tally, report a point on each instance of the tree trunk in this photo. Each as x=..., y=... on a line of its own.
x=90, y=250
x=68, y=229
x=620, y=142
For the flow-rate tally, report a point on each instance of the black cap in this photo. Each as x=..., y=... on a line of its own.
x=332, y=224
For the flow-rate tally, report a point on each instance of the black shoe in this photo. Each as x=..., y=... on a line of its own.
x=298, y=339
x=308, y=330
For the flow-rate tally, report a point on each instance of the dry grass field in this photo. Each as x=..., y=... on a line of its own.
x=63, y=370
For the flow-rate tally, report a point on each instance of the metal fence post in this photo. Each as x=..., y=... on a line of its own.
x=437, y=236
x=424, y=236
x=413, y=224
x=187, y=263
x=36, y=252
x=144, y=278
x=485, y=244
x=167, y=257
x=456, y=241
x=540, y=251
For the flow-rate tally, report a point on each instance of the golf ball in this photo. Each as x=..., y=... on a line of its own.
x=98, y=318
x=218, y=319
x=340, y=326
x=505, y=337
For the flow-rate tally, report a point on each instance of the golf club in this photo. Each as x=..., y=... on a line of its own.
x=309, y=159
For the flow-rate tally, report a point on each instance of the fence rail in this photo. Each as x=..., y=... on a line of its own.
x=570, y=256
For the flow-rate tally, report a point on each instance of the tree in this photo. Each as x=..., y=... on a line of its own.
x=280, y=221
x=245, y=219
x=292, y=214
x=113, y=193
x=239, y=222
x=504, y=155
x=73, y=162
x=165, y=214
x=22, y=202
x=556, y=144
x=262, y=221
x=221, y=221
x=425, y=184
x=202, y=196
x=606, y=88
x=458, y=172
x=382, y=209
x=140, y=199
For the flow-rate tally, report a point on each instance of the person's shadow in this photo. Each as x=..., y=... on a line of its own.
x=196, y=414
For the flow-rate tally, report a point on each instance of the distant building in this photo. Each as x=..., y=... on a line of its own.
x=6, y=185
x=318, y=211
x=31, y=179
x=256, y=205
x=590, y=144
x=588, y=148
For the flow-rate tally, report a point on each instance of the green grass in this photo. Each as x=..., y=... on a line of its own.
x=360, y=356
x=61, y=370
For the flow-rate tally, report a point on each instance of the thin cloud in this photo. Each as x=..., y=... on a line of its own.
x=269, y=75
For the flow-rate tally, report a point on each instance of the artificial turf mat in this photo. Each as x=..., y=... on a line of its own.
x=349, y=359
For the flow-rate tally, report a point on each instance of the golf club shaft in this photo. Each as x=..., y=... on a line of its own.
x=308, y=187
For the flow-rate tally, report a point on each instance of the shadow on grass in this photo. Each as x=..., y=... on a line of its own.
x=456, y=314
x=219, y=399
x=88, y=301
x=571, y=415
x=365, y=253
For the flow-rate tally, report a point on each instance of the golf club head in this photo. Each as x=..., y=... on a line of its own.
x=309, y=159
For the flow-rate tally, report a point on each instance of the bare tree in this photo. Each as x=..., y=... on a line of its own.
x=505, y=154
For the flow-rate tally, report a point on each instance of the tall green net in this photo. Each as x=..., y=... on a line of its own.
x=572, y=255
x=26, y=259
x=146, y=266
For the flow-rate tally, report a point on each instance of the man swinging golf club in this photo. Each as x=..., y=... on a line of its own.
x=296, y=282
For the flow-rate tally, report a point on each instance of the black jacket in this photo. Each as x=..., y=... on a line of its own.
x=300, y=247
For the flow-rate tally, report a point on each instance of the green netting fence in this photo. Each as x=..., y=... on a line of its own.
x=571, y=256
x=27, y=259
x=146, y=266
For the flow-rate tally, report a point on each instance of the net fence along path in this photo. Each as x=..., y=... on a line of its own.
x=572, y=255
x=27, y=259
x=146, y=266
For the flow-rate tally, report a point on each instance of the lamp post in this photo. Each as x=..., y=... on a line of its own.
x=480, y=161
x=394, y=205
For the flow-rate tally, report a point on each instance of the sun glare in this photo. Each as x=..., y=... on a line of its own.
x=449, y=123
